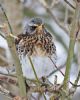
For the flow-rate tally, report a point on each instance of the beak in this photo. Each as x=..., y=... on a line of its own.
x=40, y=27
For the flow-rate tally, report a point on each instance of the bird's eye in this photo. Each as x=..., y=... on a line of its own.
x=33, y=28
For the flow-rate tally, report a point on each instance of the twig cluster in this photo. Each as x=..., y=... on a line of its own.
x=43, y=86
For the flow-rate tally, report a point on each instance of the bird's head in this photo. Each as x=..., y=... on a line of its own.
x=35, y=25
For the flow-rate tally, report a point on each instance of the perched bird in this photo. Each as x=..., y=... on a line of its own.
x=38, y=43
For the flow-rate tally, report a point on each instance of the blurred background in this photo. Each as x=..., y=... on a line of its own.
x=57, y=19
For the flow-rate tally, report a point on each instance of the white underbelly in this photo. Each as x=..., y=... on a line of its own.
x=42, y=64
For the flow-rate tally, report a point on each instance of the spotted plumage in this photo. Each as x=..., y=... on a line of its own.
x=28, y=42
x=35, y=41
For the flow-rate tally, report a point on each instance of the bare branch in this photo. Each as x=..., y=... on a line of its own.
x=2, y=34
x=71, y=46
x=63, y=73
x=19, y=73
x=69, y=4
x=44, y=4
x=6, y=92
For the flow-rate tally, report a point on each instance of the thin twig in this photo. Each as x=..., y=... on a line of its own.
x=35, y=74
x=4, y=60
x=44, y=96
x=56, y=66
x=6, y=92
x=19, y=73
x=33, y=69
x=33, y=97
x=14, y=76
x=73, y=88
x=69, y=4
x=6, y=18
x=66, y=15
x=71, y=47
x=44, y=4
x=42, y=89
x=63, y=73
x=54, y=71
x=77, y=79
x=6, y=79
x=1, y=33
x=11, y=75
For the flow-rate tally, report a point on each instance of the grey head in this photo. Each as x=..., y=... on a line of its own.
x=31, y=26
x=35, y=21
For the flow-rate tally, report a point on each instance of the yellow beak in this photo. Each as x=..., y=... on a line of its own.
x=39, y=28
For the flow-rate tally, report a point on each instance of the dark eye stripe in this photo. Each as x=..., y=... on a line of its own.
x=32, y=28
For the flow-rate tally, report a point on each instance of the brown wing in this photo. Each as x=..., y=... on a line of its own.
x=49, y=44
x=25, y=44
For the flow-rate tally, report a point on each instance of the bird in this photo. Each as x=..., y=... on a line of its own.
x=36, y=42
